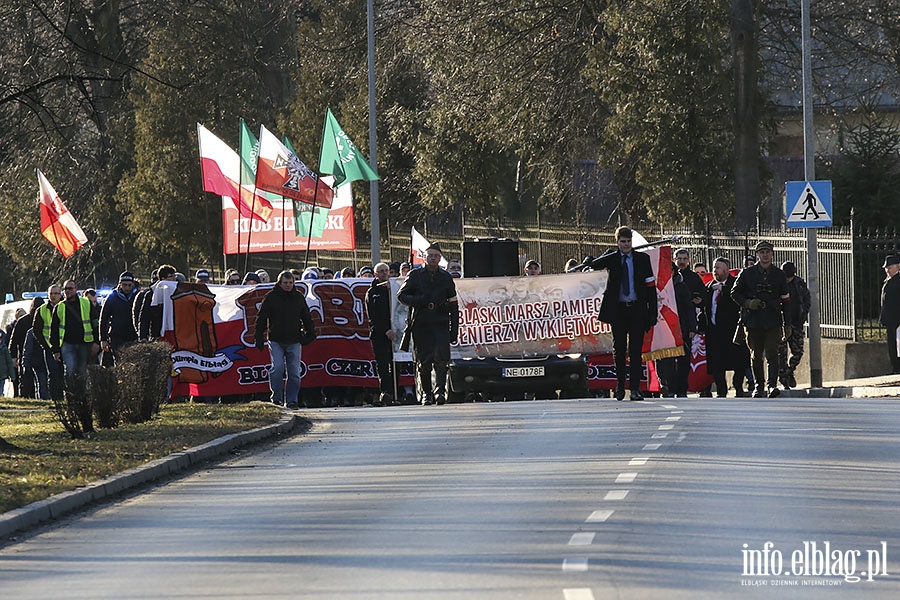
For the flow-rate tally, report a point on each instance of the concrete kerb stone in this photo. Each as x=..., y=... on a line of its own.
x=845, y=392
x=56, y=506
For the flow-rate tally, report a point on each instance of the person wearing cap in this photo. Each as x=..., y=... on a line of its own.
x=263, y=276
x=202, y=276
x=629, y=306
x=251, y=278
x=762, y=293
x=405, y=268
x=798, y=312
x=381, y=332
x=890, y=307
x=116, y=324
x=327, y=273
x=532, y=268
x=366, y=271
x=232, y=277
x=433, y=324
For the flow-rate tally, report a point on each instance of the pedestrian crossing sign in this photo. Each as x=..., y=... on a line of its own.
x=809, y=203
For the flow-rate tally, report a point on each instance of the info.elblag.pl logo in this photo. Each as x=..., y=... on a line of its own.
x=813, y=560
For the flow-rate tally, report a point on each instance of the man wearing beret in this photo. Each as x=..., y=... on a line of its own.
x=762, y=293
x=890, y=307
x=116, y=323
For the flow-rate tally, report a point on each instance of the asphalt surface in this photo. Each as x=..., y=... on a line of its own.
x=560, y=499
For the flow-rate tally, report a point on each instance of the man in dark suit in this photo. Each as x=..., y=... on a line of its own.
x=629, y=306
x=890, y=307
x=722, y=315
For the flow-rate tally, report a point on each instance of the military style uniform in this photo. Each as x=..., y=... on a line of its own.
x=434, y=323
x=763, y=297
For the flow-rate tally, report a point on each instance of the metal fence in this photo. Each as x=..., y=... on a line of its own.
x=850, y=273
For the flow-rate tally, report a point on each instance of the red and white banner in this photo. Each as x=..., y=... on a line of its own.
x=339, y=232
x=418, y=249
x=57, y=223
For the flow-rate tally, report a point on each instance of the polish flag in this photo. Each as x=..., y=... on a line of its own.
x=57, y=223
x=419, y=248
x=281, y=172
x=221, y=170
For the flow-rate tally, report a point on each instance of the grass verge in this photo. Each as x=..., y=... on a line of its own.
x=48, y=461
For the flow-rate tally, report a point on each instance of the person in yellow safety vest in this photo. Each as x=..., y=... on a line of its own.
x=74, y=334
x=42, y=327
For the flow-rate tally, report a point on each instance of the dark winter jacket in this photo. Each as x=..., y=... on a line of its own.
x=285, y=317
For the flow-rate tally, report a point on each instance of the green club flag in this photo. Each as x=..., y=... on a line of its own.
x=303, y=211
x=340, y=156
x=249, y=153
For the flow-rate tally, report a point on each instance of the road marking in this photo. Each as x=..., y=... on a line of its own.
x=578, y=594
x=673, y=418
x=583, y=538
x=665, y=427
x=626, y=477
x=599, y=516
x=652, y=446
x=637, y=462
x=657, y=436
x=616, y=495
x=669, y=406
x=677, y=412
x=822, y=429
x=575, y=564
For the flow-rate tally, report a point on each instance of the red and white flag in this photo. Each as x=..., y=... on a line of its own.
x=221, y=170
x=57, y=223
x=418, y=250
x=279, y=171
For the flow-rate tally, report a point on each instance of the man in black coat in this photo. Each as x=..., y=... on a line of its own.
x=284, y=319
x=722, y=315
x=381, y=333
x=890, y=307
x=434, y=321
x=630, y=306
x=116, y=324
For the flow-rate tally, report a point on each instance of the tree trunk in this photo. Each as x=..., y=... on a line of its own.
x=746, y=124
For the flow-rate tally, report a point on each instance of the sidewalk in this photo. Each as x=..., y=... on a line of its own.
x=886, y=386
x=54, y=507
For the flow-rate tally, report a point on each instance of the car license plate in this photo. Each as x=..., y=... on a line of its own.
x=523, y=372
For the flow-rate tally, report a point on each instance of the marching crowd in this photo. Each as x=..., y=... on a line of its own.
x=752, y=317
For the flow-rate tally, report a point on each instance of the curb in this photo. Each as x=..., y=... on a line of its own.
x=54, y=507
x=844, y=392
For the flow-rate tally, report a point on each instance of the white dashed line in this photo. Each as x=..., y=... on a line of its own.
x=626, y=477
x=637, y=462
x=669, y=406
x=652, y=446
x=599, y=516
x=666, y=427
x=677, y=412
x=673, y=418
x=657, y=436
x=578, y=594
x=616, y=495
x=575, y=564
x=582, y=538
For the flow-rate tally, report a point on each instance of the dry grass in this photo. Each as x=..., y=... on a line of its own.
x=49, y=461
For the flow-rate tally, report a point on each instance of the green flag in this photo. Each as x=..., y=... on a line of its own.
x=340, y=156
x=303, y=212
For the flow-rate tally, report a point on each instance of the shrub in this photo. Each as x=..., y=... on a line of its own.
x=142, y=371
x=103, y=390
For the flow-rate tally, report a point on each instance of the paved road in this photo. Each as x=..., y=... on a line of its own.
x=576, y=500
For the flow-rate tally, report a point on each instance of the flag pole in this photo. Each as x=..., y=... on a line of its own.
x=283, y=230
x=312, y=214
